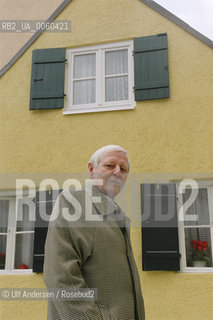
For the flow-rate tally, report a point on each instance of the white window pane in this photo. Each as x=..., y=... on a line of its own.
x=3, y=241
x=24, y=217
x=116, y=89
x=84, y=92
x=116, y=62
x=84, y=66
x=24, y=250
x=4, y=211
x=202, y=234
x=199, y=207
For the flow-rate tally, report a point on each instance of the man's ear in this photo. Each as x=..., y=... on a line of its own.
x=90, y=168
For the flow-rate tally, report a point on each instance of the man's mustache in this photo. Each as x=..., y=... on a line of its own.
x=117, y=181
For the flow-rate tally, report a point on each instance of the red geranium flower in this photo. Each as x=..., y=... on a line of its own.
x=205, y=244
x=23, y=266
x=199, y=252
x=199, y=245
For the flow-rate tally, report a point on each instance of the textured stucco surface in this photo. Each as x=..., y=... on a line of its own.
x=174, y=295
x=35, y=310
x=11, y=42
x=169, y=135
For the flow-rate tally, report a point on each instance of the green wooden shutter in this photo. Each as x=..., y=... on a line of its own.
x=44, y=203
x=47, y=79
x=151, y=67
x=160, y=245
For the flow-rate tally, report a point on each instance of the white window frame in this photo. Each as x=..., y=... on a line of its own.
x=100, y=105
x=11, y=233
x=183, y=266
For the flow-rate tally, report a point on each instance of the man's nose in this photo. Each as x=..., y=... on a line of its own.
x=117, y=170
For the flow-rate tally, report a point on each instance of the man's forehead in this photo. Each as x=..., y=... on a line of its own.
x=115, y=156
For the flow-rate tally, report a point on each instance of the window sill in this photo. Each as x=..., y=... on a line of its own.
x=18, y=271
x=98, y=109
x=197, y=270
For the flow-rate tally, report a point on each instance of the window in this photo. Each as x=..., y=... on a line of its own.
x=23, y=229
x=16, y=235
x=197, y=225
x=177, y=226
x=100, y=78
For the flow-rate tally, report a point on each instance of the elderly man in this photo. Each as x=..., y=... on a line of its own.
x=94, y=251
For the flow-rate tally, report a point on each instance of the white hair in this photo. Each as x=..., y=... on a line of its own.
x=97, y=156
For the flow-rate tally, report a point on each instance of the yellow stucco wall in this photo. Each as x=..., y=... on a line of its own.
x=12, y=309
x=169, y=136
x=10, y=43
